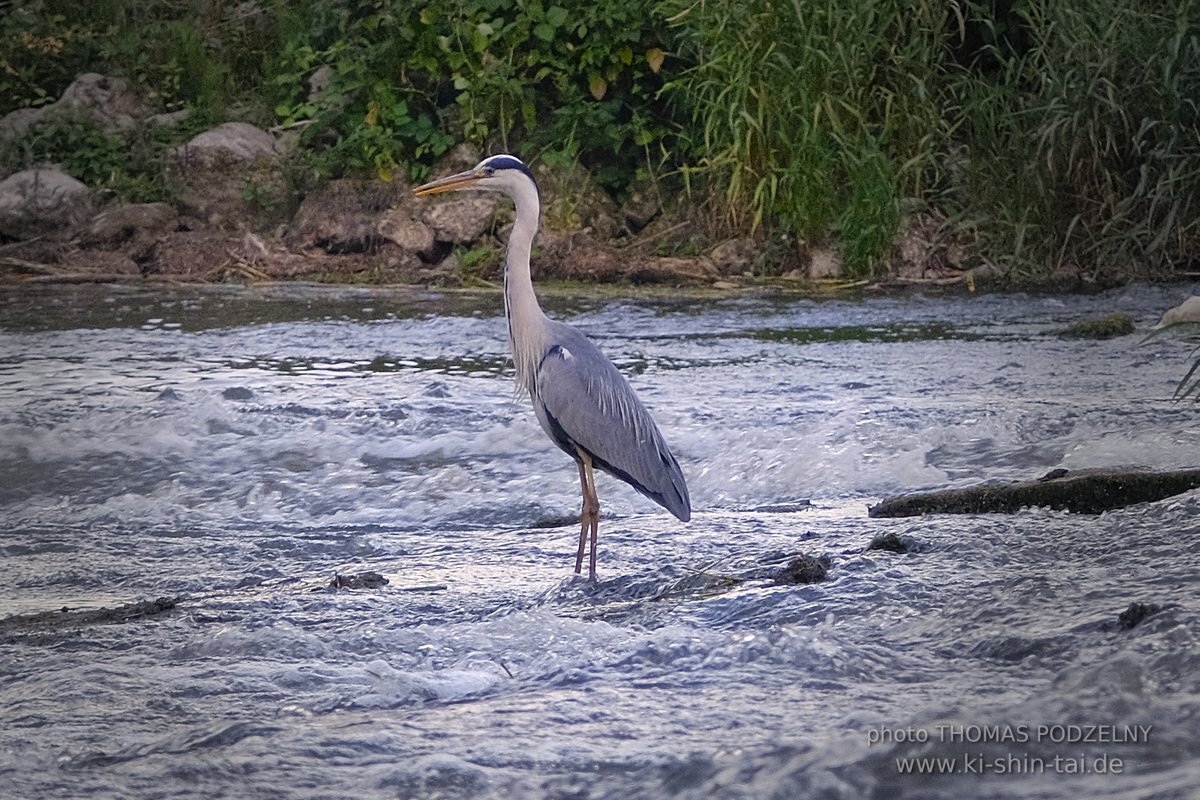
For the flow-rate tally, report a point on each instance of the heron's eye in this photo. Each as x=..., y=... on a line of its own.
x=489, y=172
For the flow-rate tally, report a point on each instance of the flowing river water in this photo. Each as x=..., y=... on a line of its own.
x=233, y=449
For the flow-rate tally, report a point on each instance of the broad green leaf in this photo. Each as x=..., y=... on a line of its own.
x=654, y=58
x=597, y=85
x=626, y=55
x=543, y=32
x=556, y=16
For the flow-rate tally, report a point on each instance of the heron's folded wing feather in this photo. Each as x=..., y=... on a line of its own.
x=583, y=393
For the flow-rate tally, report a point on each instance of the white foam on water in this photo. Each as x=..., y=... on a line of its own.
x=239, y=467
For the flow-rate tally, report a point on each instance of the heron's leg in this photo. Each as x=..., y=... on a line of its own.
x=591, y=505
x=583, y=515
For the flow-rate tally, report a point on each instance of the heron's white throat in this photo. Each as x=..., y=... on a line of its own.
x=520, y=303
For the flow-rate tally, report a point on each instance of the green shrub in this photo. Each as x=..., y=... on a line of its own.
x=129, y=167
x=42, y=48
x=405, y=79
x=409, y=78
x=182, y=51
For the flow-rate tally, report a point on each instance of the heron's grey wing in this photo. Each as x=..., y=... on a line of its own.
x=582, y=400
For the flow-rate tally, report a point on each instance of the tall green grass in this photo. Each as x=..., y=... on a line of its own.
x=814, y=117
x=1084, y=143
x=1189, y=385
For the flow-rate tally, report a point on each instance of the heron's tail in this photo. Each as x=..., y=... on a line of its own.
x=664, y=484
x=674, y=497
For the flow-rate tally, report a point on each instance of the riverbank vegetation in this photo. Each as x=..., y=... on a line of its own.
x=1047, y=136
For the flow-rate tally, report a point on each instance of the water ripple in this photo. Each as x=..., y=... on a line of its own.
x=236, y=449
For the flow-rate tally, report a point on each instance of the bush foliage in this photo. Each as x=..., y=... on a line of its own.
x=1057, y=133
x=1085, y=144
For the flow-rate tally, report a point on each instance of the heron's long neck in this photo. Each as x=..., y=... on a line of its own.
x=526, y=322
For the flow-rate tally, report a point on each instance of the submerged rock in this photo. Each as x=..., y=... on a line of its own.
x=889, y=542
x=1081, y=491
x=1133, y=616
x=64, y=618
x=360, y=580
x=1110, y=326
x=803, y=569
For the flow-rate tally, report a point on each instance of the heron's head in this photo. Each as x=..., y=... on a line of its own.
x=500, y=173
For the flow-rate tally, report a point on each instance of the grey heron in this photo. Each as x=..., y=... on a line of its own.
x=582, y=401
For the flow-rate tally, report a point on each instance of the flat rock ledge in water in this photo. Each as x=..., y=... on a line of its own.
x=65, y=619
x=1091, y=491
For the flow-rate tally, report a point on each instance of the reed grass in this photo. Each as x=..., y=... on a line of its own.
x=814, y=117
x=1085, y=144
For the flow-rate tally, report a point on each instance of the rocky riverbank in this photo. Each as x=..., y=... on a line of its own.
x=237, y=215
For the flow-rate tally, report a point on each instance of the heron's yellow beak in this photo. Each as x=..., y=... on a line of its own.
x=462, y=180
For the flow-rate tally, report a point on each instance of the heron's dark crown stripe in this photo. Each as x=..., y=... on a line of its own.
x=510, y=162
